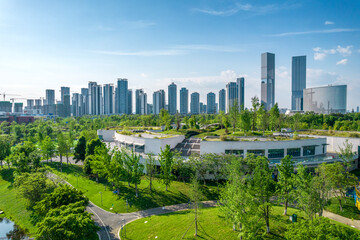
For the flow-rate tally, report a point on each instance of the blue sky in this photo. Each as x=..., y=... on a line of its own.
x=200, y=45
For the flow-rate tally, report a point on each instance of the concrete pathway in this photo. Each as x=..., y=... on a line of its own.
x=341, y=219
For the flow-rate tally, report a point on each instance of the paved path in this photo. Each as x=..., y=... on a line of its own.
x=110, y=223
x=341, y=219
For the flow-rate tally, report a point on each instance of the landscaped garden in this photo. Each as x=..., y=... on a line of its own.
x=104, y=195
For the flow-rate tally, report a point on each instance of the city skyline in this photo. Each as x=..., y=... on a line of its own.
x=145, y=43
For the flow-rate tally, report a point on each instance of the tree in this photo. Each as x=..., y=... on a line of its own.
x=245, y=120
x=262, y=118
x=177, y=121
x=195, y=197
x=255, y=105
x=136, y=169
x=101, y=161
x=47, y=148
x=62, y=195
x=274, y=117
x=5, y=148
x=80, y=150
x=226, y=123
x=165, y=118
x=261, y=189
x=61, y=146
x=92, y=145
x=32, y=186
x=200, y=165
x=234, y=114
x=150, y=168
x=67, y=222
x=216, y=166
x=286, y=181
x=340, y=180
x=346, y=153
x=166, y=160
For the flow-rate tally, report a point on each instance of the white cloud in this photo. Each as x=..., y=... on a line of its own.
x=270, y=8
x=342, y=62
x=138, y=24
x=329, y=23
x=320, y=54
x=345, y=51
x=335, y=30
x=319, y=77
x=208, y=47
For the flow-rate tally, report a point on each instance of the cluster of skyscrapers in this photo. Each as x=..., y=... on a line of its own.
x=111, y=99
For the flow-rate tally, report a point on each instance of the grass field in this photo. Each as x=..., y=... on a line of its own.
x=214, y=226
x=349, y=208
x=178, y=192
x=13, y=205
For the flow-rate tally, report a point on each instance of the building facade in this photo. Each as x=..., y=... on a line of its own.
x=184, y=101
x=109, y=107
x=122, y=98
x=138, y=92
x=211, y=107
x=158, y=101
x=326, y=100
x=195, y=103
x=222, y=100
x=298, y=82
x=268, y=80
x=172, y=98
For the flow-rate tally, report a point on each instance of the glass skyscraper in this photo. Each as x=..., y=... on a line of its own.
x=195, y=103
x=158, y=101
x=122, y=98
x=222, y=100
x=211, y=107
x=172, y=98
x=268, y=80
x=184, y=101
x=298, y=82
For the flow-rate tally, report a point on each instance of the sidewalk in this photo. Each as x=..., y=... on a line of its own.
x=341, y=219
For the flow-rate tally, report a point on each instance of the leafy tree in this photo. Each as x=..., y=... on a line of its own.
x=286, y=181
x=346, y=153
x=274, y=117
x=217, y=166
x=67, y=222
x=340, y=180
x=136, y=169
x=255, y=105
x=32, y=186
x=226, y=123
x=90, y=147
x=166, y=160
x=319, y=228
x=80, y=150
x=150, y=168
x=62, y=195
x=200, y=166
x=101, y=162
x=165, y=118
x=262, y=118
x=234, y=114
x=245, y=120
x=195, y=197
x=261, y=189
x=47, y=148
x=5, y=148
x=61, y=146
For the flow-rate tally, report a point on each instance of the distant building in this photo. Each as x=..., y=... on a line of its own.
x=202, y=108
x=357, y=109
x=158, y=101
x=184, y=101
x=122, y=98
x=149, y=108
x=130, y=102
x=211, y=107
x=96, y=104
x=298, y=82
x=18, y=107
x=138, y=93
x=65, y=100
x=195, y=103
x=268, y=80
x=172, y=98
x=326, y=100
x=30, y=103
x=76, y=104
x=50, y=97
x=84, y=102
x=222, y=100
x=108, y=90
x=143, y=103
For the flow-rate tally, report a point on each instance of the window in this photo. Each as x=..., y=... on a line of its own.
x=276, y=153
x=295, y=152
x=257, y=152
x=309, y=150
x=324, y=148
x=235, y=152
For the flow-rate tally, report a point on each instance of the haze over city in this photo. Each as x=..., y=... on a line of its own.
x=200, y=45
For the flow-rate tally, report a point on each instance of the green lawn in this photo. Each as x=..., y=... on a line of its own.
x=349, y=208
x=174, y=225
x=12, y=204
x=178, y=192
x=214, y=226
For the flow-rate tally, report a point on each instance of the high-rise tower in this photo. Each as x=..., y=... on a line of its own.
x=268, y=80
x=298, y=82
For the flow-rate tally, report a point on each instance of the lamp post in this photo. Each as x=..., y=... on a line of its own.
x=101, y=197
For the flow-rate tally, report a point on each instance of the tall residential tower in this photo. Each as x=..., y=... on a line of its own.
x=268, y=80
x=298, y=82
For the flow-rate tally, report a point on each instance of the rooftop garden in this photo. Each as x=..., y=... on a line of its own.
x=332, y=133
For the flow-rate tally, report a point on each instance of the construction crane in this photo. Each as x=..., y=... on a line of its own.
x=6, y=94
x=13, y=99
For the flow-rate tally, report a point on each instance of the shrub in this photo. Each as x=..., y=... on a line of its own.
x=223, y=138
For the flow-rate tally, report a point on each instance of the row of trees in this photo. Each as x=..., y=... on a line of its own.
x=57, y=210
x=251, y=191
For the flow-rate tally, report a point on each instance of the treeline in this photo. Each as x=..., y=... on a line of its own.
x=251, y=192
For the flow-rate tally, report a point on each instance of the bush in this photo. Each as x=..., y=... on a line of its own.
x=223, y=138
